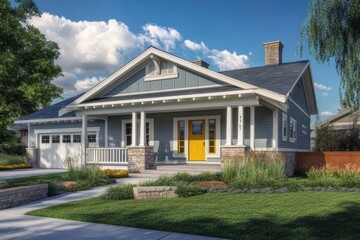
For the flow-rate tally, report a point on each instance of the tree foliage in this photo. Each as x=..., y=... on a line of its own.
x=332, y=30
x=27, y=64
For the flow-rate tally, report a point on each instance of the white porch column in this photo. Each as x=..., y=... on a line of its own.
x=133, y=128
x=240, y=137
x=28, y=136
x=106, y=131
x=252, y=127
x=228, y=126
x=275, y=128
x=84, y=139
x=142, y=129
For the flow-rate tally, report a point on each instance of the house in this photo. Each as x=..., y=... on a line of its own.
x=159, y=108
x=343, y=120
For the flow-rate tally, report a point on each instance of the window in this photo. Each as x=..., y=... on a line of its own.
x=167, y=70
x=128, y=132
x=66, y=138
x=23, y=133
x=181, y=136
x=304, y=129
x=55, y=139
x=45, y=139
x=284, y=127
x=92, y=138
x=197, y=127
x=292, y=130
x=77, y=138
x=212, y=136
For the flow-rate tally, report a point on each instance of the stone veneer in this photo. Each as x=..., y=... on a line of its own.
x=11, y=197
x=227, y=152
x=140, y=158
x=154, y=192
x=33, y=155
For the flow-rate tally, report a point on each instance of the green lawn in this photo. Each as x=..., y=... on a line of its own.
x=34, y=180
x=299, y=215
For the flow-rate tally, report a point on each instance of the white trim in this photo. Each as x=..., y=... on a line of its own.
x=240, y=127
x=252, y=127
x=304, y=129
x=179, y=61
x=284, y=118
x=282, y=149
x=186, y=141
x=28, y=136
x=300, y=108
x=65, y=130
x=293, y=139
x=167, y=90
x=48, y=120
x=151, y=130
x=106, y=142
x=142, y=129
x=161, y=77
x=275, y=128
x=342, y=123
x=299, y=77
x=133, y=129
x=229, y=126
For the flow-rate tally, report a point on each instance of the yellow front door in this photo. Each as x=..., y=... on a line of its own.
x=197, y=140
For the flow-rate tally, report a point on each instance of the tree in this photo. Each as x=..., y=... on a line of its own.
x=332, y=29
x=27, y=64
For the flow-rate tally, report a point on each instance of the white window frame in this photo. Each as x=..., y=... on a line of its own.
x=151, y=131
x=186, y=141
x=159, y=76
x=284, y=131
x=304, y=129
x=294, y=123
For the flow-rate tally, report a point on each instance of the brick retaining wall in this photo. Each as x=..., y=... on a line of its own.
x=154, y=192
x=12, y=197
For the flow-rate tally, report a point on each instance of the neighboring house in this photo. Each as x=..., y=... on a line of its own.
x=343, y=120
x=22, y=132
x=159, y=106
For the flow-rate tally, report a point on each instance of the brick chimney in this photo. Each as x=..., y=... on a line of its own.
x=273, y=52
x=201, y=63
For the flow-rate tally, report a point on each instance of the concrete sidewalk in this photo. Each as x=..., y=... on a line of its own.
x=14, y=224
x=20, y=173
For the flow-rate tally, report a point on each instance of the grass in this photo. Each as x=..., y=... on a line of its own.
x=15, y=182
x=11, y=160
x=300, y=215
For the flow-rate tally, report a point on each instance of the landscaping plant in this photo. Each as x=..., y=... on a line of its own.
x=114, y=173
x=121, y=192
x=86, y=177
x=188, y=190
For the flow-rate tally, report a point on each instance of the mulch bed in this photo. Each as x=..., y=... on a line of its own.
x=212, y=184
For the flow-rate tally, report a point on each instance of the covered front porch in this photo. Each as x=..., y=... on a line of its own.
x=196, y=130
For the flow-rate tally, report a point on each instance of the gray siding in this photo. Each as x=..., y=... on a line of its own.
x=303, y=140
x=298, y=96
x=137, y=84
x=95, y=123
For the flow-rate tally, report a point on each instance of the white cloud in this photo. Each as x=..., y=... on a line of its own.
x=326, y=113
x=160, y=37
x=324, y=94
x=224, y=59
x=322, y=87
x=87, y=83
x=251, y=53
x=87, y=46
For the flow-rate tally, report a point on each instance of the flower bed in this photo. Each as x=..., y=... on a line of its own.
x=15, y=166
x=112, y=173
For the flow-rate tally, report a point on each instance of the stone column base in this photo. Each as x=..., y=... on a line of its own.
x=140, y=158
x=33, y=157
x=233, y=152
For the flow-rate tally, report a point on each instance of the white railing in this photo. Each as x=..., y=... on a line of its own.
x=106, y=155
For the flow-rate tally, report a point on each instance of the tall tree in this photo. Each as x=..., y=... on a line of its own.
x=332, y=30
x=27, y=64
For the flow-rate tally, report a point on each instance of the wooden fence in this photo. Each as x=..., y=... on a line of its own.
x=330, y=160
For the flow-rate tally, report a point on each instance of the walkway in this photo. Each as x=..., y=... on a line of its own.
x=14, y=224
x=20, y=173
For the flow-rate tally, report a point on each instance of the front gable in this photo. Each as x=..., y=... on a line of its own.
x=298, y=95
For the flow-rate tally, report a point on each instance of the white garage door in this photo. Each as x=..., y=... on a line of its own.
x=58, y=150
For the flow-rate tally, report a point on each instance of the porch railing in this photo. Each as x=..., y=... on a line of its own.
x=106, y=155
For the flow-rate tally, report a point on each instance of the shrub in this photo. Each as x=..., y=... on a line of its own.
x=182, y=178
x=112, y=173
x=349, y=177
x=11, y=160
x=187, y=190
x=92, y=175
x=4, y=184
x=254, y=172
x=54, y=188
x=15, y=166
x=13, y=148
x=122, y=192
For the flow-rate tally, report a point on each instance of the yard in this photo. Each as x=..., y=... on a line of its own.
x=299, y=215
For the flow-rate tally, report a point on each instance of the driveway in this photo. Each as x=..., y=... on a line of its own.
x=14, y=224
x=20, y=173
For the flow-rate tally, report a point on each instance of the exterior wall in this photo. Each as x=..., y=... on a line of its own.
x=137, y=84
x=92, y=123
x=303, y=140
x=298, y=95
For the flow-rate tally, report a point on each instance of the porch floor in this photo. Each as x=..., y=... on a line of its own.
x=191, y=168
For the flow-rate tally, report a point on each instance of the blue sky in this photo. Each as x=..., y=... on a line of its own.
x=97, y=37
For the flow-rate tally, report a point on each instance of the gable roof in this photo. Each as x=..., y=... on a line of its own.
x=51, y=112
x=276, y=78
